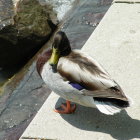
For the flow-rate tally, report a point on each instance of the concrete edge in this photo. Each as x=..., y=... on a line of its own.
x=127, y=1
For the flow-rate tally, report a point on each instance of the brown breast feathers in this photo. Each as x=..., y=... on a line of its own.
x=42, y=59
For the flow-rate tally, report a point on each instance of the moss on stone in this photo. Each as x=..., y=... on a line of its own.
x=32, y=18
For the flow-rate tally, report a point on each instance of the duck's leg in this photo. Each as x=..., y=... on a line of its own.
x=66, y=108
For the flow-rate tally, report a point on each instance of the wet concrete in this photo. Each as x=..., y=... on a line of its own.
x=82, y=21
x=25, y=94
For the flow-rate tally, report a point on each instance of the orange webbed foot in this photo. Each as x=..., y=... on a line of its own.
x=66, y=108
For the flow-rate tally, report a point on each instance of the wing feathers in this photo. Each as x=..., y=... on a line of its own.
x=82, y=69
x=73, y=72
x=105, y=94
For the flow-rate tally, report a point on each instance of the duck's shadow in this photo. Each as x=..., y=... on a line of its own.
x=120, y=126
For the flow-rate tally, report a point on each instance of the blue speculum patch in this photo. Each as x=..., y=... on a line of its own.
x=77, y=86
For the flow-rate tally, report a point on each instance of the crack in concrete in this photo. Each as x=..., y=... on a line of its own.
x=39, y=87
x=3, y=111
x=128, y=2
x=36, y=138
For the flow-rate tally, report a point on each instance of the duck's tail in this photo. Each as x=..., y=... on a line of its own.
x=111, y=106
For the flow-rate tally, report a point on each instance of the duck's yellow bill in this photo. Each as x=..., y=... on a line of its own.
x=54, y=57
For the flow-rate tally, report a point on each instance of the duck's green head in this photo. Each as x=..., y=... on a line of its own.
x=60, y=47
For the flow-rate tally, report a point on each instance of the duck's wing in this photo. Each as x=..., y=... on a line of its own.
x=83, y=70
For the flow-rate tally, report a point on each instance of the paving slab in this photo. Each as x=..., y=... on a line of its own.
x=115, y=44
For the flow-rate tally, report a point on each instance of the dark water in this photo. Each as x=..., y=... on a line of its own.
x=17, y=111
x=6, y=11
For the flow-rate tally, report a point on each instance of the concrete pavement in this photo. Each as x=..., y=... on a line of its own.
x=115, y=43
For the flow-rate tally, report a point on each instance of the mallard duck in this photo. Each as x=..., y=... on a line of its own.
x=79, y=78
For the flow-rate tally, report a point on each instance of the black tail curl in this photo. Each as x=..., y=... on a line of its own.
x=116, y=102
